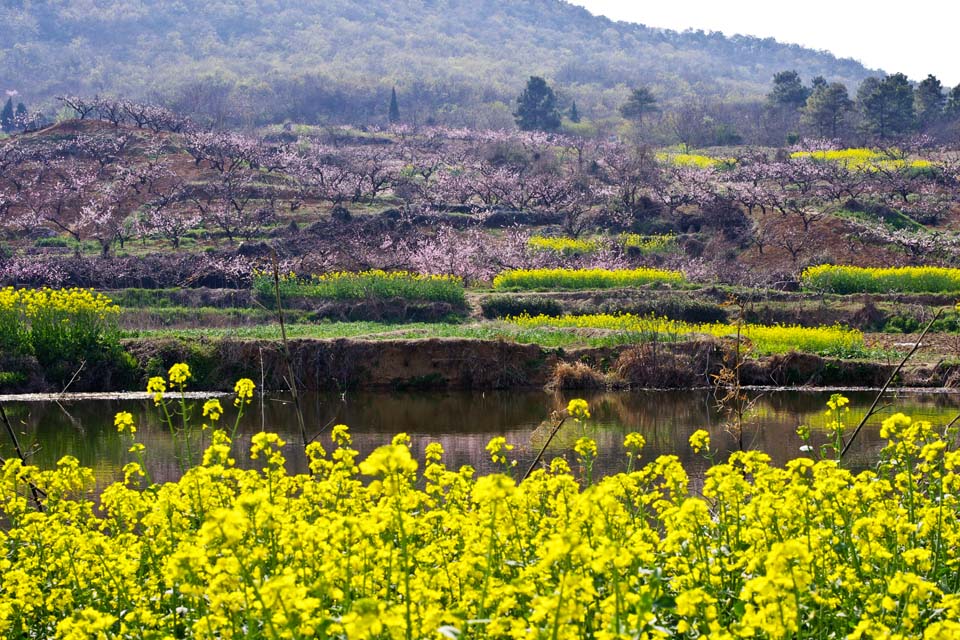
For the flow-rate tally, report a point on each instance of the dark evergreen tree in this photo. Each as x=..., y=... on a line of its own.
x=640, y=103
x=818, y=83
x=784, y=102
x=394, y=115
x=574, y=113
x=537, y=107
x=928, y=101
x=7, y=117
x=21, y=119
x=886, y=106
x=788, y=91
x=952, y=108
x=826, y=108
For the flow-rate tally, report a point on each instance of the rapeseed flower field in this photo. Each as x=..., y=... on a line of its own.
x=583, y=278
x=376, y=283
x=393, y=547
x=835, y=340
x=564, y=246
x=847, y=279
x=58, y=325
x=645, y=245
x=861, y=159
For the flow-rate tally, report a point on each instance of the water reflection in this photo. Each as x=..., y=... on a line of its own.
x=464, y=422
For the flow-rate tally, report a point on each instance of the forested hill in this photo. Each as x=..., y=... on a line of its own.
x=459, y=61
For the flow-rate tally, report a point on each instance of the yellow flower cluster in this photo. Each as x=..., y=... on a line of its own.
x=700, y=440
x=244, y=391
x=846, y=279
x=564, y=246
x=57, y=324
x=578, y=409
x=863, y=159
x=810, y=550
x=835, y=340
x=34, y=302
x=583, y=278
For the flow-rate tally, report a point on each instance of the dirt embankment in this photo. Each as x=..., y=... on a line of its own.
x=464, y=364
x=342, y=364
x=476, y=364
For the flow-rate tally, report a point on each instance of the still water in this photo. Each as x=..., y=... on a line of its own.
x=463, y=422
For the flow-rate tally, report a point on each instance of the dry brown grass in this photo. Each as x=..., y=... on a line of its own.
x=576, y=375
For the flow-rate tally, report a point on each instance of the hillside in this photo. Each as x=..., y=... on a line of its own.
x=456, y=61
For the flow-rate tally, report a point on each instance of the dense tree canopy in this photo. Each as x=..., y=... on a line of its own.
x=640, y=103
x=788, y=90
x=537, y=107
x=928, y=100
x=454, y=61
x=826, y=107
x=887, y=105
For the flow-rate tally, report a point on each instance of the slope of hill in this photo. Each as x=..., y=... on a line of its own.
x=460, y=61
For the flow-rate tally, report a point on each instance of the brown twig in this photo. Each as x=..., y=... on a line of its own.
x=36, y=491
x=546, y=444
x=876, y=401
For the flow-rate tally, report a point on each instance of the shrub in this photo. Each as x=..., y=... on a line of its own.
x=61, y=327
x=583, y=278
x=503, y=306
x=635, y=243
x=54, y=241
x=845, y=279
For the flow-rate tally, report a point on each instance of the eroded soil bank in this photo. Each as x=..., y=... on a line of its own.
x=343, y=364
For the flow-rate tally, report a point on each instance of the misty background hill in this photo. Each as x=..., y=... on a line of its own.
x=456, y=62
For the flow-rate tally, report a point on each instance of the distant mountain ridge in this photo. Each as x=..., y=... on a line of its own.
x=455, y=61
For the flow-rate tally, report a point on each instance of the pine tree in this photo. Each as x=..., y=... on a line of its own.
x=886, y=105
x=952, y=107
x=640, y=103
x=6, y=117
x=394, y=115
x=537, y=107
x=928, y=101
x=826, y=108
x=788, y=91
x=574, y=113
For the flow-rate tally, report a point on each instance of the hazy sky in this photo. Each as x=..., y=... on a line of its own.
x=915, y=39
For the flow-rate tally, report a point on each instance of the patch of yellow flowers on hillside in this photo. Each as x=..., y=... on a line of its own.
x=832, y=340
x=584, y=278
x=374, y=549
x=849, y=279
x=861, y=159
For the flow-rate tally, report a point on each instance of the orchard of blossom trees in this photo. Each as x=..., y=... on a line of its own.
x=443, y=200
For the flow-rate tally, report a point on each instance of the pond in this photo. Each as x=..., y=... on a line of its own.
x=463, y=422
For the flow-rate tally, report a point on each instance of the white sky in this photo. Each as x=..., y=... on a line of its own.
x=915, y=38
